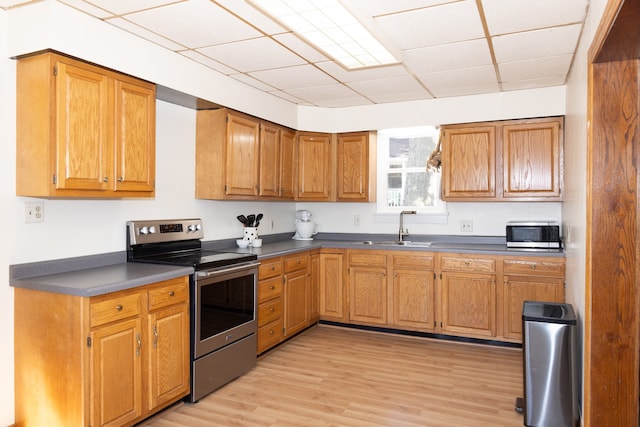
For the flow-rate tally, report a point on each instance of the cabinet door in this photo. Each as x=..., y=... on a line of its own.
x=168, y=337
x=353, y=167
x=242, y=156
x=314, y=167
x=532, y=160
x=83, y=128
x=469, y=168
x=296, y=301
x=414, y=299
x=288, y=167
x=332, y=298
x=269, y=161
x=518, y=289
x=368, y=294
x=116, y=375
x=469, y=304
x=135, y=122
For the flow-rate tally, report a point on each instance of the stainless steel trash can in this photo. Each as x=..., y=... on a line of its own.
x=550, y=378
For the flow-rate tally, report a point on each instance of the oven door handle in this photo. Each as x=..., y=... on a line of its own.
x=209, y=273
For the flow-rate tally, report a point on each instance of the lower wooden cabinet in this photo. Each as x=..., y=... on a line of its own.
x=530, y=279
x=368, y=286
x=333, y=293
x=414, y=284
x=285, y=292
x=109, y=360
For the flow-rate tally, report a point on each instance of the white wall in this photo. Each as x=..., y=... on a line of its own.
x=574, y=209
x=83, y=227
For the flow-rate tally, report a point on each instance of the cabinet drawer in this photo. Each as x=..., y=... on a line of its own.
x=534, y=266
x=467, y=263
x=414, y=261
x=114, y=308
x=296, y=262
x=269, y=289
x=172, y=292
x=269, y=268
x=369, y=258
x=269, y=311
x=269, y=335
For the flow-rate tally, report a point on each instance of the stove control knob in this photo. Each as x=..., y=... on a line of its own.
x=152, y=229
x=144, y=230
x=193, y=227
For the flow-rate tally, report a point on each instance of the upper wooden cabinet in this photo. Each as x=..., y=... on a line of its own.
x=239, y=157
x=515, y=160
x=82, y=131
x=315, y=176
x=356, y=177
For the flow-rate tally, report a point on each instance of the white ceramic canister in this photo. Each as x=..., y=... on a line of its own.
x=250, y=233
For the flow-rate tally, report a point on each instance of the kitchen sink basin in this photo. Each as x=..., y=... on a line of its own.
x=397, y=243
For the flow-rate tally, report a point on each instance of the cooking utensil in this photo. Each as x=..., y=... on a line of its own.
x=250, y=219
x=242, y=219
x=258, y=218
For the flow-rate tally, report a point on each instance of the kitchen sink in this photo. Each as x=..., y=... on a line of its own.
x=397, y=243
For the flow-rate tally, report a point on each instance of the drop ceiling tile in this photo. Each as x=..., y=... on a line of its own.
x=252, y=15
x=145, y=34
x=288, y=97
x=246, y=79
x=253, y=55
x=400, y=97
x=194, y=24
x=535, y=68
x=466, y=81
x=536, y=44
x=121, y=7
x=451, y=56
x=371, y=88
x=385, y=7
x=344, y=75
x=301, y=47
x=88, y=8
x=205, y=60
x=448, y=23
x=534, y=83
x=293, y=77
x=512, y=16
x=322, y=95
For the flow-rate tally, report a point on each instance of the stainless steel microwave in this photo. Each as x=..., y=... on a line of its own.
x=533, y=234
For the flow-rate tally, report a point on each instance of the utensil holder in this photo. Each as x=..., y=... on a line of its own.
x=250, y=233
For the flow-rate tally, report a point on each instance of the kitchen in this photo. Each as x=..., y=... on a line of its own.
x=68, y=221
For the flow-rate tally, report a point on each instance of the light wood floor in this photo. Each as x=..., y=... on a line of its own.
x=331, y=376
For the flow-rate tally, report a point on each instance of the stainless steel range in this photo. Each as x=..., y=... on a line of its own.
x=223, y=298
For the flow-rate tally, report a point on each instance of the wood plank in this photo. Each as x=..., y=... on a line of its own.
x=336, y=376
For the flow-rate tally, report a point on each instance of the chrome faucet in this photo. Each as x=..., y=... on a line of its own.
x=402, y=232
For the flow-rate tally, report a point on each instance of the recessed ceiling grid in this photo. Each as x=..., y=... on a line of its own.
x=446, y=48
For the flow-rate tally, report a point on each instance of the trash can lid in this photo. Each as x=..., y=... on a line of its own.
x=549, y=312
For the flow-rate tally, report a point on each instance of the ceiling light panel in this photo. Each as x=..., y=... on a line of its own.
x=328, y=26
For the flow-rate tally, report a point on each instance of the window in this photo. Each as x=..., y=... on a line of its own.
x=403, y=180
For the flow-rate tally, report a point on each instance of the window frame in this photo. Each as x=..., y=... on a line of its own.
x=427, y=214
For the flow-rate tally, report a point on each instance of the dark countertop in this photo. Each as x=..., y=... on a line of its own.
x=89, y=276
x=102, y=280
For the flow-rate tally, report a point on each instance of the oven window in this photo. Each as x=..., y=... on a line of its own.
x=226, y=304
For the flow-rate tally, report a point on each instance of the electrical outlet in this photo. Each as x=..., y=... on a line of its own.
x=34, y=212
x=466, y=225
x=356, y=220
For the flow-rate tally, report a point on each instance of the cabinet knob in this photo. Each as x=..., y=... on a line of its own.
x=272, y=287
x=105, y=179
x=119, y=307
x=533, y=266
x=271, y=332
x=272, y=309
x=171, y=293
x=120, y=179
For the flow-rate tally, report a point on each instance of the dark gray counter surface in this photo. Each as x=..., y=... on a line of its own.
x=101, y=274
x=102, y=280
